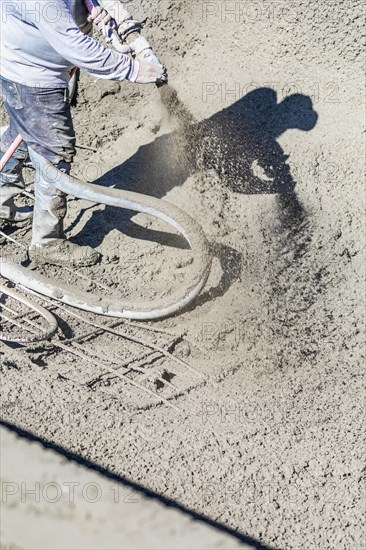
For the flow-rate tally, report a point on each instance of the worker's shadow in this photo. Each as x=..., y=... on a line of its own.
x=239, y=143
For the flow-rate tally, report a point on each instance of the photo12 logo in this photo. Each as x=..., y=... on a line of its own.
x=68, y=491
x=50, y=11
x=266, y=11
x=225, y=92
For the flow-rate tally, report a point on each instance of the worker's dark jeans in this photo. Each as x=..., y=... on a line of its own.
x=43, y=118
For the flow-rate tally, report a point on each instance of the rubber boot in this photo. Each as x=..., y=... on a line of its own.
x=49, y=244
x=11, y=184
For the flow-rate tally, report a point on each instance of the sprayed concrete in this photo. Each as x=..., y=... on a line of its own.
x=61, y=504
x=272, y=444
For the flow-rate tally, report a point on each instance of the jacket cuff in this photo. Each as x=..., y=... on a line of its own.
x=134, y=71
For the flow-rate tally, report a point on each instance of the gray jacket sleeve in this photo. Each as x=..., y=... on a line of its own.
x=63, y=34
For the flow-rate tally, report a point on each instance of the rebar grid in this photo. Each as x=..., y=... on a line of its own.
x=133, y=366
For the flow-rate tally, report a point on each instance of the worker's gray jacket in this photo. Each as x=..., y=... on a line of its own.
x=42, y=39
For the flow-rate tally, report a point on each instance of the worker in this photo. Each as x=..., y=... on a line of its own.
x=41, y=42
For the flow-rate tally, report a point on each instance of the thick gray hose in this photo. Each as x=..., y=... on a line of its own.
x=112, y=305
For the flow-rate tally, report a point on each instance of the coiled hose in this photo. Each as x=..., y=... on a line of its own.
x=112, y=305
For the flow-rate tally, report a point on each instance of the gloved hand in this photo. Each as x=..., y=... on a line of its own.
x=147, y=55
x=99, y=15
x=143, y=51
x=102, y=20
x=124, y=22
x=114, y=17
x=150, y=73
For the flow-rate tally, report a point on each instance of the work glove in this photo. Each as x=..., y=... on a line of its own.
x=142, y=50
x=103, y=21
x=127, y=28
x=124, y=22
x=101, y=18
x=114, y=17
x=143, y=53
x=99, y=15
x=150, y=73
